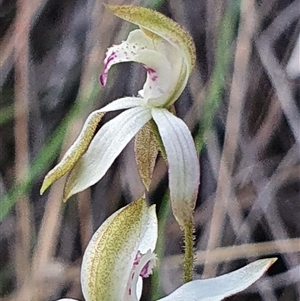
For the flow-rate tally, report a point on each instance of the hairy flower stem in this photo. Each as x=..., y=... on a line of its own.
x=188, y=251
x=188, y=229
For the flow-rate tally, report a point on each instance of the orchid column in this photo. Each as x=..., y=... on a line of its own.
x=167, y=52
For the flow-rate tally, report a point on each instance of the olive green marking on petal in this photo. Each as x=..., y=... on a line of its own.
x=105, y=147
x=75, y=151
x=146, y=151
x=117, y=238
x=160, y=25
x=172, y=109
x=150, y=34
x=159, y=141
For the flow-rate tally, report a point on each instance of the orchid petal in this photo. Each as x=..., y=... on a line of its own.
x=155, y=24
x=219, y=288
x=146, y=151
x=147, y=243
x=107, y=144
x=77, y=149
x=149, y=235
x=183, y=163
x=109, y=257
x=160, y=25
x=141, y=49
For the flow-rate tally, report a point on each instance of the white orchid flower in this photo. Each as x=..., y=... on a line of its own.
x=168, y=54
x=120, y=254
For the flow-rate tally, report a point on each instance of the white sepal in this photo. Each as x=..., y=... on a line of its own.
x=107, y=144
x=219, y=288
x=108, y=261
x=183, y=162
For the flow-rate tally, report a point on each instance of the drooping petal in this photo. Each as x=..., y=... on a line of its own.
x=107, y=144
x=156, y=24
x=146, y=151
x=141, y=49
x=82, y=142
x=219, y=288
x=184, y=170
x=77, y=149
x=109, y=258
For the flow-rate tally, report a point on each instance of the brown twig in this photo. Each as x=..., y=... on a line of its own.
x=276, y=72
x=237, y=94
x=268, y=190
x=29, y=16
x=225, y=254
x=21, y=105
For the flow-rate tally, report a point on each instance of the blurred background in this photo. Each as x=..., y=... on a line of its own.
x=242, y=104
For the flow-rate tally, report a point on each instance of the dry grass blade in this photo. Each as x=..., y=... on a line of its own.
x=30, y=13
x=231, y=253
x=237, y=97
x=265, y=47
x=23, y=211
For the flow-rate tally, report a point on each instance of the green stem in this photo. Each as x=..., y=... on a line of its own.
x=6, y=115
x=163, y=214
x=154, y=4
x=47, y=154
x=188, y=267
x=219, y=76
